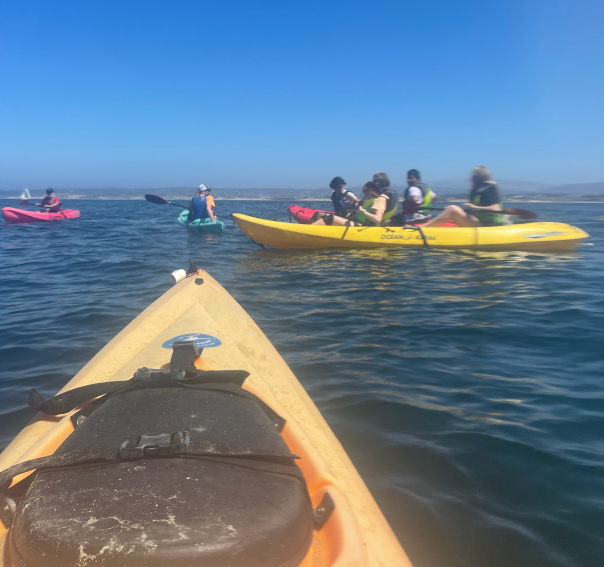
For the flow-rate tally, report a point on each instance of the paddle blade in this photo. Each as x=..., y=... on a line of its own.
x=156, y=199
x=24, y=202
x=521, y=213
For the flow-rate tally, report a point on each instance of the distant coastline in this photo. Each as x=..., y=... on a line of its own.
x=286, y=200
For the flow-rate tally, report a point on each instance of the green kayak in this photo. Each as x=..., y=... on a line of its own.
x=205, y=225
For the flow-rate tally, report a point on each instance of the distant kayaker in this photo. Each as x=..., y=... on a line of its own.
x=418, y=199
x=199, y=206
x=484, y=195
x=209, y=197
x=51, y=203
x=376, y=209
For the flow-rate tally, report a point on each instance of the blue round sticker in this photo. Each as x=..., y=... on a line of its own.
x=201, y=340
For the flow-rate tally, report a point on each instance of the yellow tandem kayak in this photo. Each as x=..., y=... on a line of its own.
x=538, y=236
x=183, y=459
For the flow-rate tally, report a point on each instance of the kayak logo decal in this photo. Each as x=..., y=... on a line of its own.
x=405, y=237
x=544, y=234
x=201, y=340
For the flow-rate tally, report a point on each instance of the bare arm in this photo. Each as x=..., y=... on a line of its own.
x=373, y=217
x=210, y=212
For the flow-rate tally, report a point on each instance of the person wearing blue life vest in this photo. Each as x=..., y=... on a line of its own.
x=418, y=199
x=199, y=206
x=484, y=195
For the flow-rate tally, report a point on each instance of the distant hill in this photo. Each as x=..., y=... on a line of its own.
x=507, y=186
x=575, y=189
x=449, y=189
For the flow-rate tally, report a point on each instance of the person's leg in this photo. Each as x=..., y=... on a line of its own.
x=455, y=214
x=330, y=220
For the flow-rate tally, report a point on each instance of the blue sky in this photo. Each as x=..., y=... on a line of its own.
x=286, y=94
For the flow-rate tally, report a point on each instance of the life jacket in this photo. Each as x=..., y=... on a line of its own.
x=53, y=202
x=391, y=206
x=199, y=209
x=410, y=207
x=338, y=202
x=476, y=199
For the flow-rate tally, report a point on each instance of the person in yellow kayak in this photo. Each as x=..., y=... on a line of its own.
x=418, y=199
x=376, y=209
x=199, y=206
x=484, y=195
x=51, y=203
x=344, y=201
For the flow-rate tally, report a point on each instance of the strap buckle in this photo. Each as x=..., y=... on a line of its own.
x=145, y=373
x=184, y=355
x=139, y=446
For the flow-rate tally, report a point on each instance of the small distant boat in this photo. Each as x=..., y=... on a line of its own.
x=205, y=225
x=13, y=215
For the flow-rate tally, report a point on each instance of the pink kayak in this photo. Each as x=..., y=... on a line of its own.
x=304, y=215
x=20, y=215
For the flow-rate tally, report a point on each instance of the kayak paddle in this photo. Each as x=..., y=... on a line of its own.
x=161, y=201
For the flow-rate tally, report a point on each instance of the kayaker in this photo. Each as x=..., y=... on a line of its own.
x=344, y=201
x=484, y=195
x=418, y=199
x=209, y=198
x=199, y=206
x=51, y=203
x=376, y=209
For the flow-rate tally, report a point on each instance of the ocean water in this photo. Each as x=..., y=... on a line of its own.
x=468, y=388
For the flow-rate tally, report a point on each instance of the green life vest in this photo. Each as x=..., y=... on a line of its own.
x=391, y=206
x=410, y=207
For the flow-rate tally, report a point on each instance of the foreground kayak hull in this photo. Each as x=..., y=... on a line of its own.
x=356, y=533
x=206, y=225
x=538, y=236
x=14, y=216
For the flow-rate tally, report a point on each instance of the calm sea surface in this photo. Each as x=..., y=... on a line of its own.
x=468, y=388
